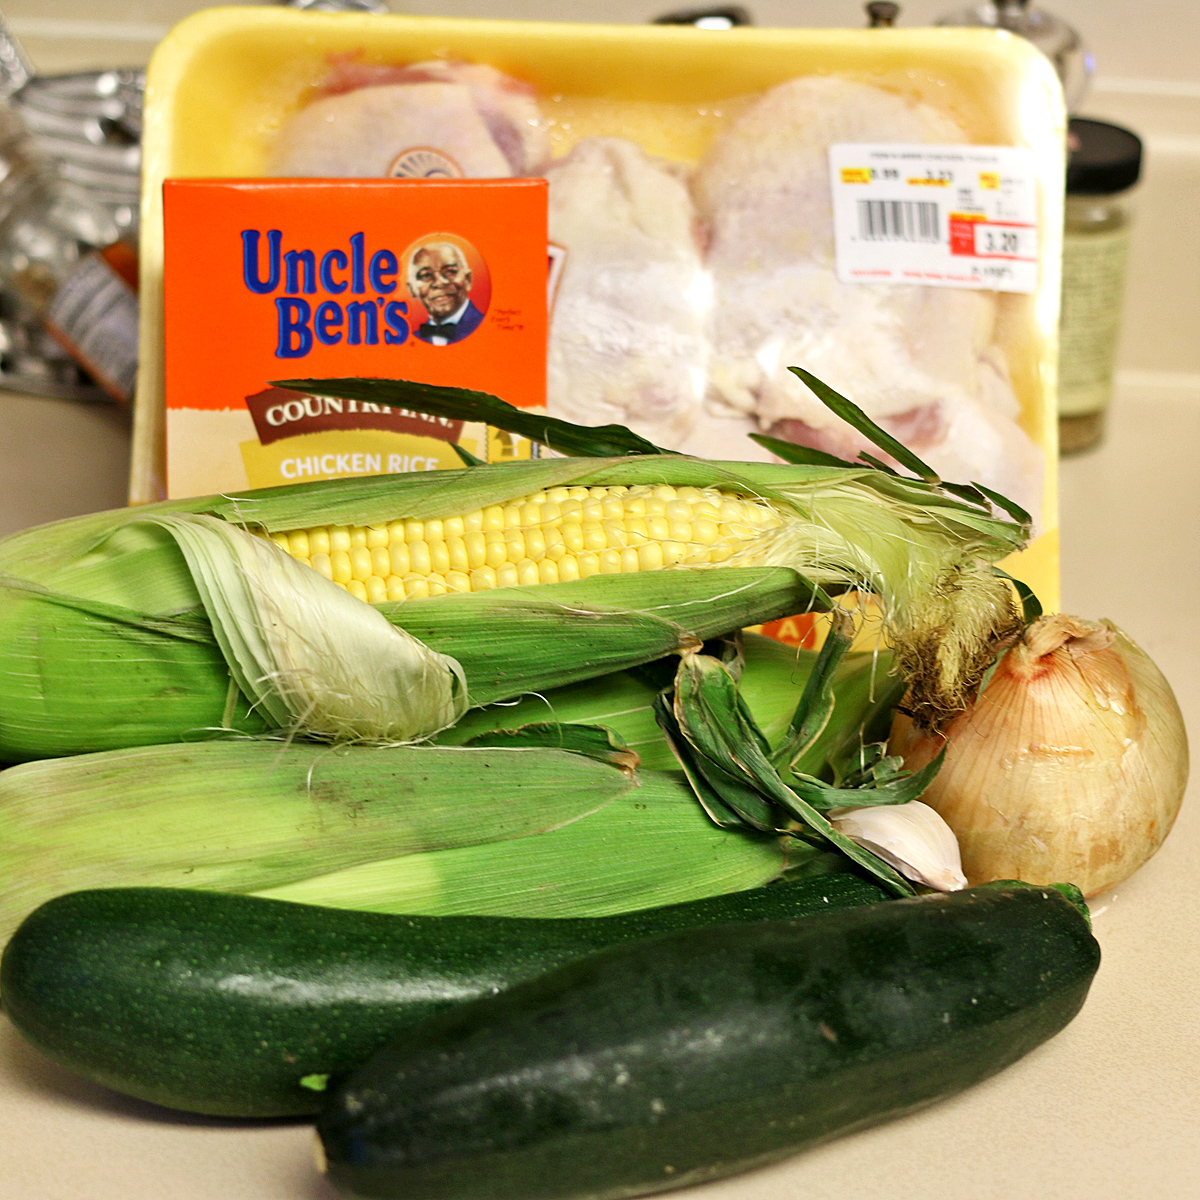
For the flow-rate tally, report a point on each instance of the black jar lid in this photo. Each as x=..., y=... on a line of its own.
x=1101, y=158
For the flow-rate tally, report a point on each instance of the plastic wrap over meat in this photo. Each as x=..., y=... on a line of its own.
x=627, y=340
x=920, y=360
x=376, y=120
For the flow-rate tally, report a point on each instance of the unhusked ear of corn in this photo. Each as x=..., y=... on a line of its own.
x=236, y=816
x=399, y=829
x=106, y=638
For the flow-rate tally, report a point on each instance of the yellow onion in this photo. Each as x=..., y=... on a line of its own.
x=1069, y=767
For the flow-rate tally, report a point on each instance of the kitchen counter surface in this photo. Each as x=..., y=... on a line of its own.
x=1108, y=1110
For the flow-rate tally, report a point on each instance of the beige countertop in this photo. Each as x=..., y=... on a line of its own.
x=1108, y=1110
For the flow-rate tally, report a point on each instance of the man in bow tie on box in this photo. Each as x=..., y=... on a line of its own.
x=439, y=277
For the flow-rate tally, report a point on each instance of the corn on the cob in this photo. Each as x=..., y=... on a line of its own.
x=106, y=639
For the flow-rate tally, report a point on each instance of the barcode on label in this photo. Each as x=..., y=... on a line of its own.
x=898, y=221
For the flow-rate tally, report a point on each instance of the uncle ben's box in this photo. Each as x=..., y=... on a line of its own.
x=440, y=282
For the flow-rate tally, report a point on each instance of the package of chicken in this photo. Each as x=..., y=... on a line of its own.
x=880, y=207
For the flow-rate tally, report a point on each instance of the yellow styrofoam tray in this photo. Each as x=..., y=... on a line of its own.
x=223, y=81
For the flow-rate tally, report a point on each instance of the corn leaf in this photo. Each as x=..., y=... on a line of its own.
x=459, y=404
x=593, y=741
x=719, y=729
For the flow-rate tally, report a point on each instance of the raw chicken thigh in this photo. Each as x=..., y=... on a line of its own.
x=627, y=339
x=919, y=360
x=486, y=123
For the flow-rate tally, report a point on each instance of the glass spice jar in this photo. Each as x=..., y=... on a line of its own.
x=1103, y=164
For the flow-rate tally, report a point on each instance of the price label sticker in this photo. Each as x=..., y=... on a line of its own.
x=943, y=216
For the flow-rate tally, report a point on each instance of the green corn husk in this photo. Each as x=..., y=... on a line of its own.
x=392, y=829
x=105, y=641
x=648, y=847
x=242, y=815
x=772, y=680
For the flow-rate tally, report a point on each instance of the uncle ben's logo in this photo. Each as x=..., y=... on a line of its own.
x=437, y=290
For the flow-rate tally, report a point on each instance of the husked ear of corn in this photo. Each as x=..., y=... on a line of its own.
x=120, y=600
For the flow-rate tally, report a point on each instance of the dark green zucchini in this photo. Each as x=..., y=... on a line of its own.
x=697, y=1054
x=239, y=1006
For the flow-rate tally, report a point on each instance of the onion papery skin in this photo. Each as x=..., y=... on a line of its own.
x=1069, y=767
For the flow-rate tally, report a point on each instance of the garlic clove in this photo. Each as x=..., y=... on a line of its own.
x=911, y=837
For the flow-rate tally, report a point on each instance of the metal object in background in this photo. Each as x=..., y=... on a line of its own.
x=1057, y=40
x=726, y=17
x=90, y=124
x=360, y=6
x=882, y=14
x=84, y=128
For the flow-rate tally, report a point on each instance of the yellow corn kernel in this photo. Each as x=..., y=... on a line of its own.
x=535, y=544
x=531, y=514
x=527, y=572
x=512, y=516
x=664, y=491
x=376, y=590
x=483, y=578
x=551, y=512
x=318, y=541
x=339, y=560
x=493, y=517
x=568, y=568
x=339, y=538
x=418, y=558
x=297, y=544
x=476, y=544
x=453, y=527
x=439, y=556
x=437, y=584
x=572, y=536
x=556, y=495
x=497, y=549
x=681, y=531
x=589, y=563
x=401, y=560
x=356, y=587
x=414, y=531
x=629, y=561
x=395, y=588
x=650, y=556
x=416, y=587
x=360, y=564
x=377, y=535
x=434, y=531
x=514, y=541
x=658, y=527
x=358, y=536
x=506, y=575
x=381, y=562
x=673, y=552
x=610, y=562
x=548, y=571
x=473, y=521
x=458, y=581
x=579, y=493
x=594, y=537
x=612, y=507
x=456, y=547
x=704, y=531
x=320, y=562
